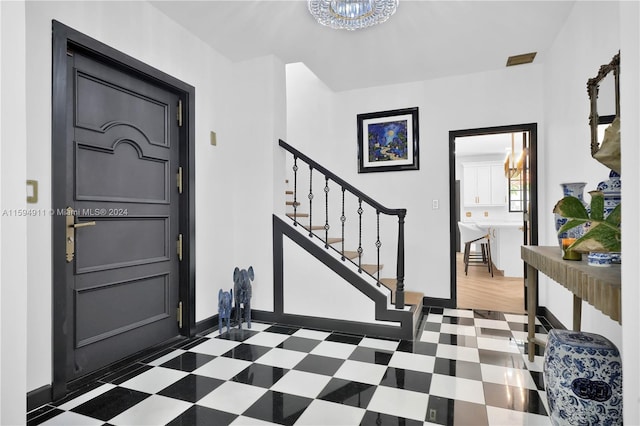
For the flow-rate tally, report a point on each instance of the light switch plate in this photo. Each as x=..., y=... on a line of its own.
x=213, y=138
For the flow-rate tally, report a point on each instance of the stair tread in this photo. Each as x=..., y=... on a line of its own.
x=333, y=240
x=371, y=269
x=288, y=192
x=413, y=298
x=291, y=203
x=389, y=283
x=298, y=214
x=313, y=228
x=350, y=254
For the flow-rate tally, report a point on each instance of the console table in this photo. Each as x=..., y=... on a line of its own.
x=598, y=286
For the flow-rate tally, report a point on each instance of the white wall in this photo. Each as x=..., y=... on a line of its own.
x=503, y=97
x=13, y=262
x=630, y=129
x=586, y=41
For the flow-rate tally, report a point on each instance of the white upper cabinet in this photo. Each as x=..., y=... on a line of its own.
x=484, y=184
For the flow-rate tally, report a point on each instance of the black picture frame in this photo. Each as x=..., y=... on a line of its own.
x=388, y=141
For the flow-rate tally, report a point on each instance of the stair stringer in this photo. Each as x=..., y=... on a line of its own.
x=381, y=301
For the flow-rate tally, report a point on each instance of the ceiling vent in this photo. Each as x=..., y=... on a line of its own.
x=525, y=58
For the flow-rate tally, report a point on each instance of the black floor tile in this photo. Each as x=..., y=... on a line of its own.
x=319, y=364
x=237, y=335
x=188, y=361
x=513, y=398
x=247, y=352
x=157, y=355
x=518, y=326
x=282, y=329
x=436, y=310
x=278, y=407
x=493, y=315
x=503, y=359
x=111, y=403
x=193, y=343
x=191, y=388
x=406, y=379
x=264, y=376
x=493, y=333
x=344, y=338
x=299, y=344
x=378, y=419
x=78, y=392
x=422, y=348
x=538, y=378
x=127, y=374
x=447, y=411
x=347, y=392
x=464, y=369
x=198, y=415
x=432, y=326
x=457, y=320
x=373, y=356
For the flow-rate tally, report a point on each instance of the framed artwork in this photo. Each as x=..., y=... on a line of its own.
x=388, y=141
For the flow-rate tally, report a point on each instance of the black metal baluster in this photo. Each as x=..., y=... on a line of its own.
x=400, y=268
x=343, y=219
x=378, y=245
x=295, y=190
x=326, y=211
x=310, y=199
x=360, y=211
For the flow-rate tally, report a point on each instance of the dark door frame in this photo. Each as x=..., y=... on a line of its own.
x=532, y=128
x=64, y=40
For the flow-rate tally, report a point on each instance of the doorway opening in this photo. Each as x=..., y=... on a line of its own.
x=493, y=192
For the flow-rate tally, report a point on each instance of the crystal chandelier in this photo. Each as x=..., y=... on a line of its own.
x=352, y=14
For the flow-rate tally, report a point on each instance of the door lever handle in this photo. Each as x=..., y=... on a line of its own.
x=84, y=224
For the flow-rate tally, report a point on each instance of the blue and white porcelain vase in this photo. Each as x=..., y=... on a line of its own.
x=573, y=189
x=583, y=379
x=611, y=189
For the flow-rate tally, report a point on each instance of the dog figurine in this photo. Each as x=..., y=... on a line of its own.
x=242, y=289
x=225, y=300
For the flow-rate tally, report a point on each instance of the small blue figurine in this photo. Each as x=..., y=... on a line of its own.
x=225, y=299
x=242, y=288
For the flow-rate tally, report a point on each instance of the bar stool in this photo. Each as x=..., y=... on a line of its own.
x=470, y=233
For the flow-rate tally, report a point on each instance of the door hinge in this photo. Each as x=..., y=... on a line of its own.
x=179, y=247
x=179, y=314
x=179, y=180
x=179, y=113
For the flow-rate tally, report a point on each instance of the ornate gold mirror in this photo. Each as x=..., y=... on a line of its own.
x=604, y=94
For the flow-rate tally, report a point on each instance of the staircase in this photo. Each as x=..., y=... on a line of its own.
x=357, y=249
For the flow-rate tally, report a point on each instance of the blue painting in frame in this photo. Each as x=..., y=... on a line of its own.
x=388, y=141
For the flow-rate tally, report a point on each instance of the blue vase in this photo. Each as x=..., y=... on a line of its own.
x=611, y=189
x=573, y=189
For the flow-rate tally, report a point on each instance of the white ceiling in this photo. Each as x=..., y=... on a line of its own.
x=423, y=40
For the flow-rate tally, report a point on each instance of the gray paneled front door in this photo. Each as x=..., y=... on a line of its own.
x=122, y=291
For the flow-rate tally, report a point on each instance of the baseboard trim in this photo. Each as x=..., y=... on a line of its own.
x=38, y=397
x=437, y=302
x=548, y=315
x=209, y=323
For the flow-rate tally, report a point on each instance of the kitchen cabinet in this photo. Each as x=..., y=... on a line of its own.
x=484, y=184
x=505, y=239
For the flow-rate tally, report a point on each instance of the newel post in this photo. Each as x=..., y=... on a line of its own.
x=400, y=264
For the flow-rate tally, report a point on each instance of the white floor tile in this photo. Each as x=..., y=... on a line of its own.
x=458, y=353
x=437, y=318
x=502, y=345
x=457, y=388
x=460, y=330
x=258, y=326
x=489, y=323
x=362, y=372
x=69, y=418
x=462, y=313
x=536, y=365
x=232, y=397
x=154, y=380
x=222, y=368
x=522, y=336
x=399, y=402
x=429, y=336
x=387, y=345
x=333, y=349
x=312, y=334
x=327, y=413
x=267, y=339
x=282, y=358
x=301, y=383
x=522, y=319
x=215, y=347
x=410, y=361
x=155, y=410
x=86, y=397
x=249, y=421
x=501, y=416
x=507, y=376
x=167, y=357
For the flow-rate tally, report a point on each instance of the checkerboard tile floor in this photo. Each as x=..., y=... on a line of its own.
x=465, y=368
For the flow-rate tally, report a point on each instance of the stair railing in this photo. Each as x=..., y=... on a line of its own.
x=361, y=197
